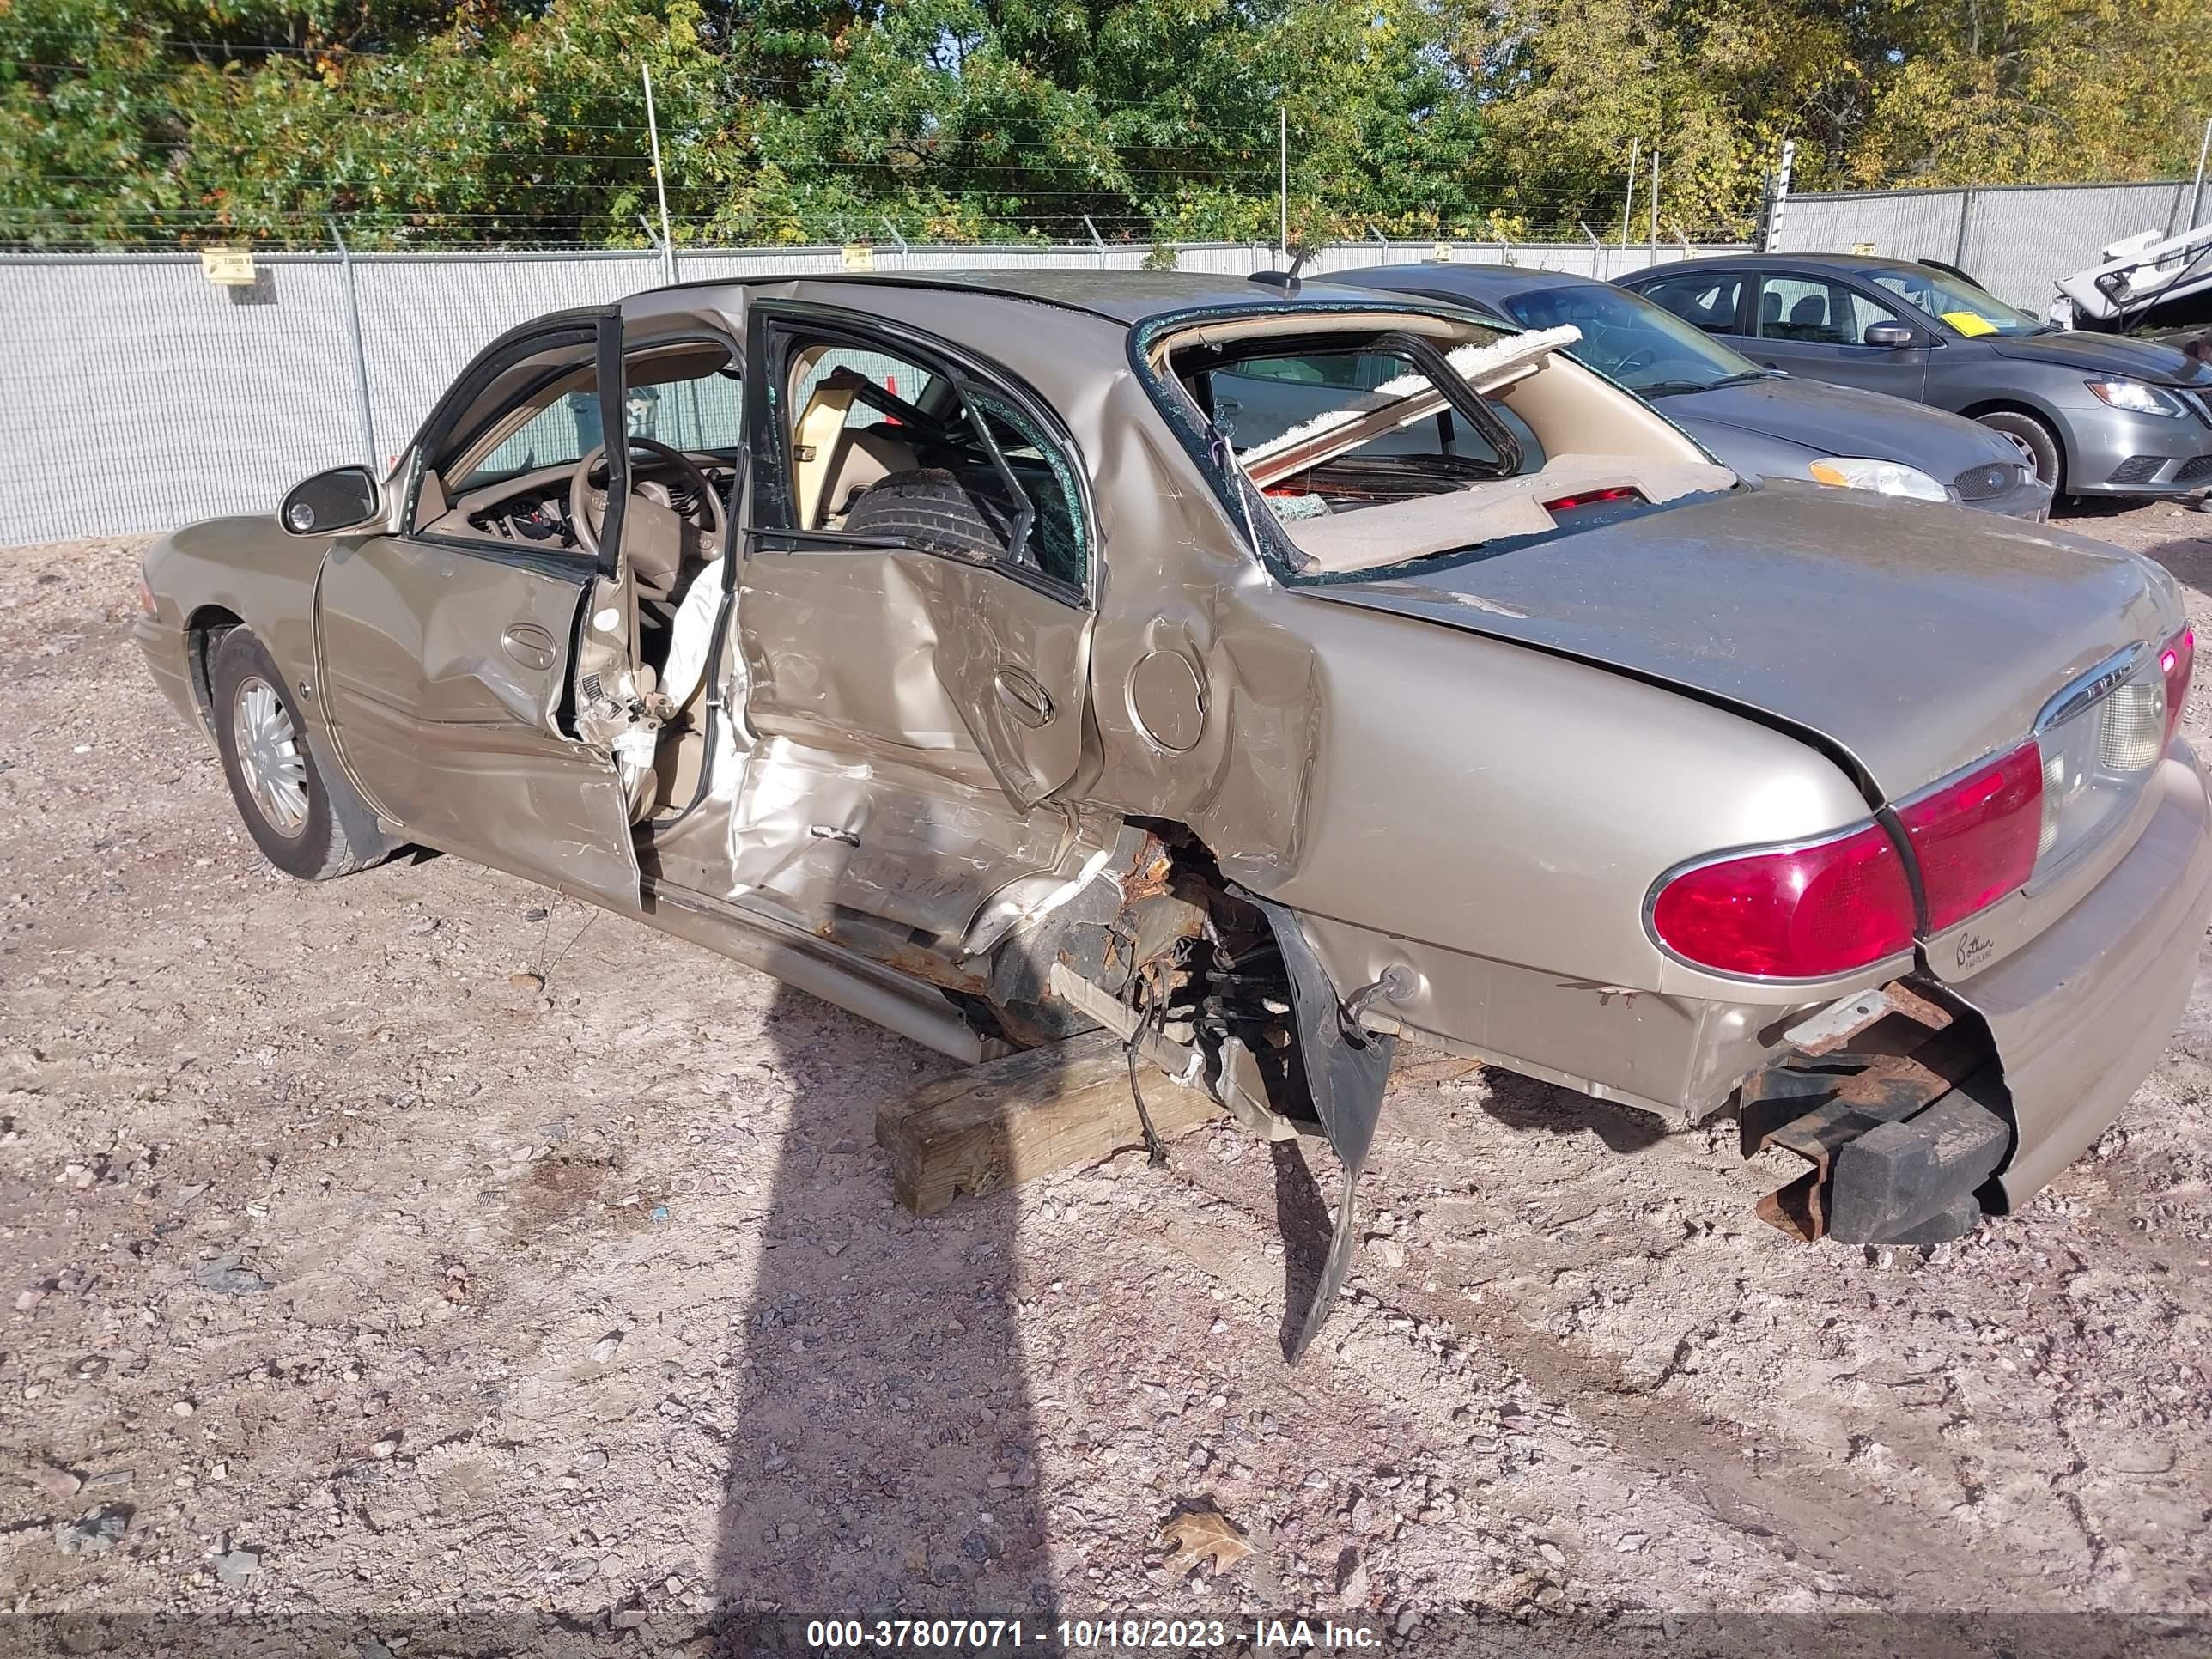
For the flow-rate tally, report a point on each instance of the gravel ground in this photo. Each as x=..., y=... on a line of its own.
x=354, y=1276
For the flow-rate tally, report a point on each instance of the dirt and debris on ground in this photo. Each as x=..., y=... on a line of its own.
x=424, y=1243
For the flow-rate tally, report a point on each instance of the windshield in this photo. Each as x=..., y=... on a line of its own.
x=1958, y=305
x=1644, y=346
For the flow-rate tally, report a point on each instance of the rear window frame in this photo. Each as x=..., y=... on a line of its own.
x=1233, y=492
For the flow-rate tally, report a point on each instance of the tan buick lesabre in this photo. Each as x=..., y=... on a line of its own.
x=1262, y=674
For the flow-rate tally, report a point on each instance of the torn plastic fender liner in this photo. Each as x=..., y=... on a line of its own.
x=1346, y=1070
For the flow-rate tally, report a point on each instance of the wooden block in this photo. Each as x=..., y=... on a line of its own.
x=1010, y=1120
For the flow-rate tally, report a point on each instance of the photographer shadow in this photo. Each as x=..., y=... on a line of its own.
x=885, y=1455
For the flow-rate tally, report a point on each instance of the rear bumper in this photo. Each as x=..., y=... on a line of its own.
x=2081, y=1014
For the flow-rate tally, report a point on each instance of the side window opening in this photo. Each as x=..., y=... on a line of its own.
x=703, y=412
x=515, y=463
x=879, y=446
x=1709, y=301
x=557, y=435
x=1817, y=311
x=1348, y=450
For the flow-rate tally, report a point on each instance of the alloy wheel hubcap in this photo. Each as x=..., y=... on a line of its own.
x=268, y=755
x=2027, y=451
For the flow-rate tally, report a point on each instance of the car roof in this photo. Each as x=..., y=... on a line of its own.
x=1775, y=262
x=1123, y=296
x=1477, y=282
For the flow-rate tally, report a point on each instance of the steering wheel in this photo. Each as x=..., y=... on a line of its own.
x=1641, y=357
x=588, y=516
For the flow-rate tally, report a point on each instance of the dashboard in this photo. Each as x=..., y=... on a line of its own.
x=539, y=513
x=534, y=508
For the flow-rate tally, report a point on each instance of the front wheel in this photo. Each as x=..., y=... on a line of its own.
x=274, y=776
x=2037, y=444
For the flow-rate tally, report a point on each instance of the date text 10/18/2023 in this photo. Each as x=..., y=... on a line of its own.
x=1166, y=1634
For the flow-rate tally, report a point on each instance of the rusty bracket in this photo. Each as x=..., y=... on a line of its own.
x=1906, y=1052
x=1835, y=1025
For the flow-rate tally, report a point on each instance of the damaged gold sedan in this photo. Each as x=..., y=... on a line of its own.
x=1263, y=675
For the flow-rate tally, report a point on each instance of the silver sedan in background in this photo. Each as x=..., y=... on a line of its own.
x=1756, y=419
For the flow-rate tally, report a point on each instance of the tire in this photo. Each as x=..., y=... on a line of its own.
x=278, y=785
x=931, y=509
x=2037, y=443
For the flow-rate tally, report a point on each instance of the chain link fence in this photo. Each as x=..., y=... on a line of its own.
x=140, y=395
x=2016, y=240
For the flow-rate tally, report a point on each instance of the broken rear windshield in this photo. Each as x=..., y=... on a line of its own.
x=1360, y=450
x=1349, y=419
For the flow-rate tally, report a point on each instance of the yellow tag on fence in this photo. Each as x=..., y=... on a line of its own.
x=859, y=256
x=227, y=267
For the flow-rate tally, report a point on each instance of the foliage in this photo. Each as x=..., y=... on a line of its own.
x=433, y=122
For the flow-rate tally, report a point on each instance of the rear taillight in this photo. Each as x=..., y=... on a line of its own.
x=146, y=595
x=2176, y=659
x=1592, y=498
x=1791, y=913
x=1975, y=835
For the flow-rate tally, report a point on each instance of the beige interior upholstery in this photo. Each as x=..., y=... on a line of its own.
x=865, y=455
x=655, y=537
x=815, y=442
x=834, y=461
x=1372, y=536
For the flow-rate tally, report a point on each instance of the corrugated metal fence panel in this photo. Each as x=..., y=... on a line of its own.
x=2021, y=242
x=1917, y=224
x=140, y=396
x=2017, y=240
x=1605, y=262
x=423, y=317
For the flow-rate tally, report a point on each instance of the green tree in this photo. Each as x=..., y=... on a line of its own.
x=433, y=122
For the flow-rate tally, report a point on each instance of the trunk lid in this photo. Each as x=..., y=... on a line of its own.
x=1915, y=638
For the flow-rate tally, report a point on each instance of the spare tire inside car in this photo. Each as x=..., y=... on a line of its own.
x=930, y=507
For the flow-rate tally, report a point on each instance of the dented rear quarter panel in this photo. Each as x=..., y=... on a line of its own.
x=1493, y=817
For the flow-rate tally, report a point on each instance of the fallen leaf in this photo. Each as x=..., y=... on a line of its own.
x=1193, y=1534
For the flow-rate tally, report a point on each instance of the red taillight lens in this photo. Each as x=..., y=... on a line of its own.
x=1806, y=913
x=1976, y=836
x=1592, y=498
x=2176, y=658
x=145, y=595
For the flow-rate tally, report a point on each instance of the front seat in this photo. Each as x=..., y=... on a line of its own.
x=1808, y=317
x=1770, y=311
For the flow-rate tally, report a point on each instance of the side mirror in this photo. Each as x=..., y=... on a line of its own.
x=1890, y=337
x=343, y=498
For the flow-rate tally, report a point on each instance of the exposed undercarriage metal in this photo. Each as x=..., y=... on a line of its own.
x=1217, y=988
x=1898, y=1104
